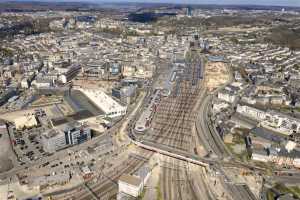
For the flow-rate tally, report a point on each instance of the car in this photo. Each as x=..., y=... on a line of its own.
x=29, y=154
x=45, y=164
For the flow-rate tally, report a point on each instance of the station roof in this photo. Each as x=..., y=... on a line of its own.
x=102, y=100
x=131, y=180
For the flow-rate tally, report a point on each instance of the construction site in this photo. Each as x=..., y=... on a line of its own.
x=216, y=74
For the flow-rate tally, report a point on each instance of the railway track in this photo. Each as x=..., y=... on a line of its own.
x=215, y=135
x=191, y=184
x=107, y=186
x=102, y=190
x=178, y=184
x=206, y=134
x=174, y=115
x=183, y=182
x=173, y=127
x=176, y=109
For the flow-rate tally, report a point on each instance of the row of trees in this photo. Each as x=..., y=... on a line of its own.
x=26, y=27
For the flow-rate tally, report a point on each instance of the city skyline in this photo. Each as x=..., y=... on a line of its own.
x=294, y=3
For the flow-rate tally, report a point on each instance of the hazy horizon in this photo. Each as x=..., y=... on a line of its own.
x=295, y=3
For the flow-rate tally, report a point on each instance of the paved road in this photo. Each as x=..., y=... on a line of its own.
x=207, y=134
x=213, y=143
x=7, y=156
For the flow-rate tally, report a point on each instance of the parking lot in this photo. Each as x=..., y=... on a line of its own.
x=93, y=158
x=27, y=144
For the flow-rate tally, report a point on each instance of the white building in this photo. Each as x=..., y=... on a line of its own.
x=260, y=156
x=251, y=112
x=296, y=162
x=24, y=83
x=282, y=123
x=67, y=74
x=107, y=104
x=219, y=106
x=42, y=83
x=130, y=185
x=227, y=96
x=248, y=100
x=290, y=145
x=272, y=120
x=53, y=140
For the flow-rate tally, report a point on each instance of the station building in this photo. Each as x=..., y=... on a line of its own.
x=107, y=104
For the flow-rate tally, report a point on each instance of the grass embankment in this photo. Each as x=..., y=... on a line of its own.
x=159, y=195
x=282, y=189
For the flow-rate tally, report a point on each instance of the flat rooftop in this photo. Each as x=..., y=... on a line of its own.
x=131, y=180
x=102, y=100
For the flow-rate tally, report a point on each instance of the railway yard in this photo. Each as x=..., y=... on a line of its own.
x=175, y=115
x=172, y=127
x=180, y=123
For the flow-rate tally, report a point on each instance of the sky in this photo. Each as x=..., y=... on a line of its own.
x=232, y=2
x=235, y=2
x=219, y=2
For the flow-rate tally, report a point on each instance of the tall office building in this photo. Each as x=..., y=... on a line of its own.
x=189, y=11
x=76, y=134
x=64, y=136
